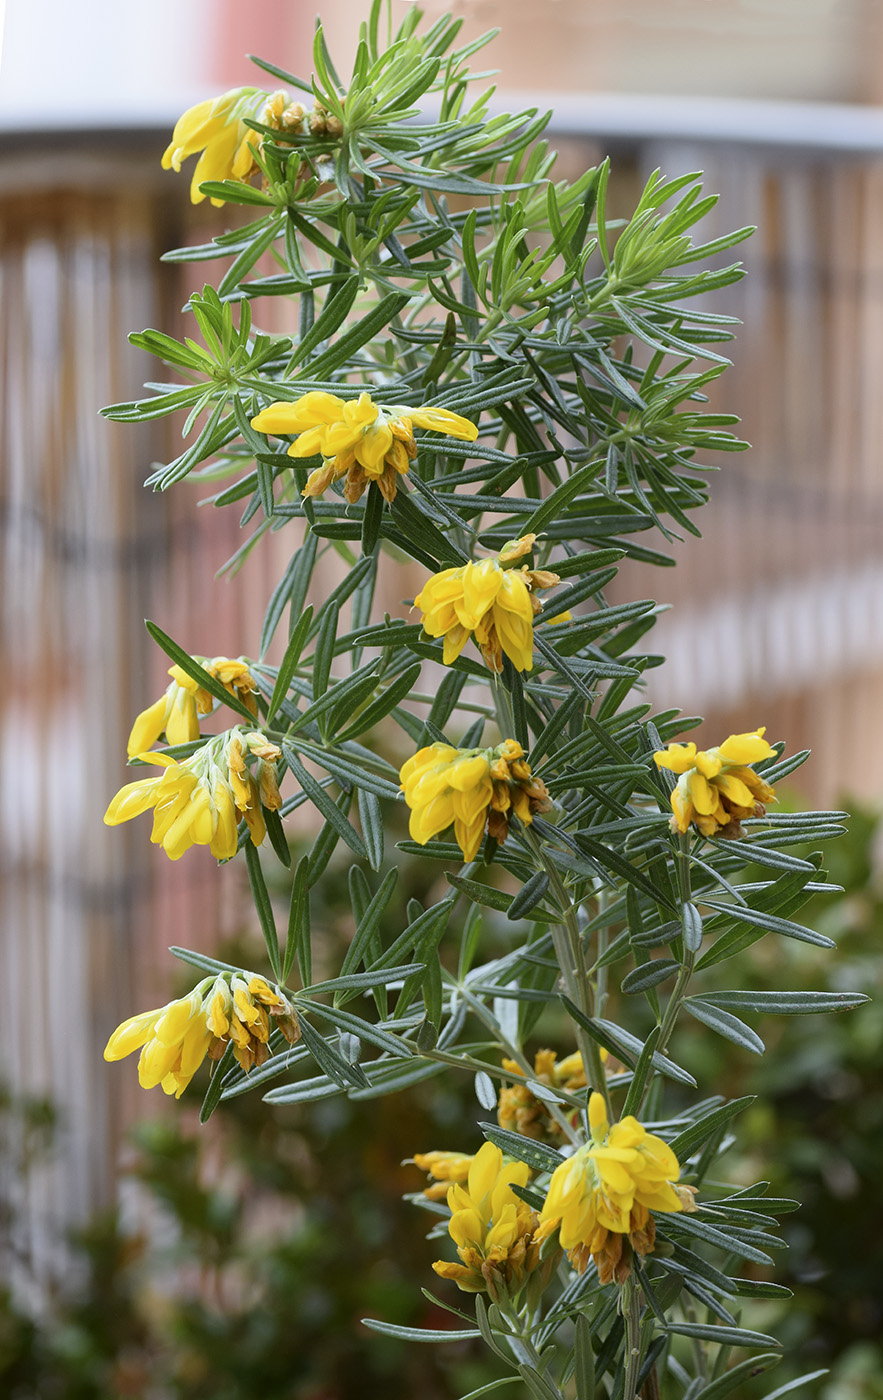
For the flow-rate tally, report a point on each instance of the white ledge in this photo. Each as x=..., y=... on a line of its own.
x=618, y=118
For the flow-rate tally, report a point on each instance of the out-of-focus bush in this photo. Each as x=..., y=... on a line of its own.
x=816, y=1131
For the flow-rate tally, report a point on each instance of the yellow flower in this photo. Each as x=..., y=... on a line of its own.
x=471, y=788
x=495, y=603
x=175, y=1040
x=199, y=801
x=358, y=439
x=177, y=711
x=491, y=1227
x=443, y=1167
x=607, y=1189
x=217, y=128
x=716, y=788
x=520, y=1111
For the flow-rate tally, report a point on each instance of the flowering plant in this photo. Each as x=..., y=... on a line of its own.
x=492, y=382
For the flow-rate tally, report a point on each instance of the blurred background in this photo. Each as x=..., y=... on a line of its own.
x=776, y=618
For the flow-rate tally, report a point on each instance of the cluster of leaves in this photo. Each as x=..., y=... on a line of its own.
x=441, y=263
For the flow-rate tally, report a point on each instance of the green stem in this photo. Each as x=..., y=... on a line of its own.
x=676, y=999
x=601, y=972
x=461, y=1062
x=568, y=949
x=632, y=1314
x=493, y=1025
x=567, y=942
x=522, y=1347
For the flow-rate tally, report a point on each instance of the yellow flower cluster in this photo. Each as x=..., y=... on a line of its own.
x=444, y=1168
x=493, y=1229
x=199, y=801
x=491, y=601
x=716, y=789
x=358, y=438
x=176, y=712
x=175, y=1040
x=605, y=1192
x=520, y=1111
x=475, y=789
x=217, y=128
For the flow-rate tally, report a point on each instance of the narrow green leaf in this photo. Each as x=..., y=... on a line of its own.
x=195, y=672
x=758, y=1288
x=364, y=1030
x=727, y=1240
x=724, y=1336
x=650, y=974
x=725, y=1023
x=624, y=1046
x=786, y=1003
x=741, y=913
x=419, y=1334
x=556, y=727
x=216, y=1084
x=235, y=192
x=385, y=703
x=289, y=663
x=366, y=328
x=692, y=1138
x=485, y=1091
x=329, y=1060
x=363, y=981
x=417, y=529
x=371, y=821
x=324, y=653
x=553, y=506
x=745, y=1371
x=346, y=771
x=372, y=519
x=332, y=315
x=536, y=1154
x=292, y=588
x=529, y=896
x=264, y=908
x=202, y=961
x=538, y=1383
x=692, y=925
x=369, y=922
x=640, y=1078
x=795, y=1384
x=328, y=808
x=305, y=1091
x=479, y=893
x=612, y=860
x=297, y=943
x=584, y=1359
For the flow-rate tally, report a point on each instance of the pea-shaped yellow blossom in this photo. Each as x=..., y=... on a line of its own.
x=199, y=801
x=520, y=1111
x=359, y=439
x=492, y=1228
x=176, y=712
x=443, y=1168
x=217, y=129
x=175, y=1040
x=495, y=603
x=472, y=788
x=716, y=788
x=606, y=1191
